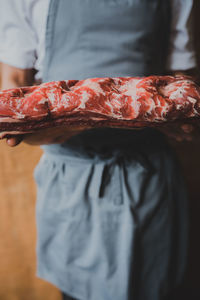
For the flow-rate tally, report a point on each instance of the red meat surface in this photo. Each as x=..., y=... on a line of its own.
x=100, y=102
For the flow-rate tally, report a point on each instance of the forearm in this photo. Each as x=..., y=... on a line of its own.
x=194, y=73
x=14, y=77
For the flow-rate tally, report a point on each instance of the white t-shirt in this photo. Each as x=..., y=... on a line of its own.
x=23, y=26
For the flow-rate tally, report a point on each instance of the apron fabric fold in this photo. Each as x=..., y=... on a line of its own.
x=105, y=225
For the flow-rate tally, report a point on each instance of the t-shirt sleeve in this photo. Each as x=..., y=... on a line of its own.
x=17, y=37
x=181, y=52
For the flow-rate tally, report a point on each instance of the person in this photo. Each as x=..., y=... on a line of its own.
x=112, y=208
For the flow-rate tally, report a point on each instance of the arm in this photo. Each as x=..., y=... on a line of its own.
x=181, y=56
x=18, y=54
x=15, y=77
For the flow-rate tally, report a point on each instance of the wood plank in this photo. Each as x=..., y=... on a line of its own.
x=17, y=226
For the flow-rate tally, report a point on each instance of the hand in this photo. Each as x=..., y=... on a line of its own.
x=180, y=133
x=56, y=135
x=13, y=141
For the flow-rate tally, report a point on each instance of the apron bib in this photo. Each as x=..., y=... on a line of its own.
x=99, y=38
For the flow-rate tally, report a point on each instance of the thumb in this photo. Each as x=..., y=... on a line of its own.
x=13, y=141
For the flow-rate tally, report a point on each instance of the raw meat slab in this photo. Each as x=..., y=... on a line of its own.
x=128, y=102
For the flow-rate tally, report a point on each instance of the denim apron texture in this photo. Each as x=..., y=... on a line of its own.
x=111, y=208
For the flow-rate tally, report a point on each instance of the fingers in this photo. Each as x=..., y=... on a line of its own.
x=14, y=141
x=180, y=133
x=48, y=136
x=63, y=137
x=184, y=138
x=187, y=128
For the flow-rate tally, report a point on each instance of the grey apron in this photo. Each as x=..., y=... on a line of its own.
x=111, y=209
